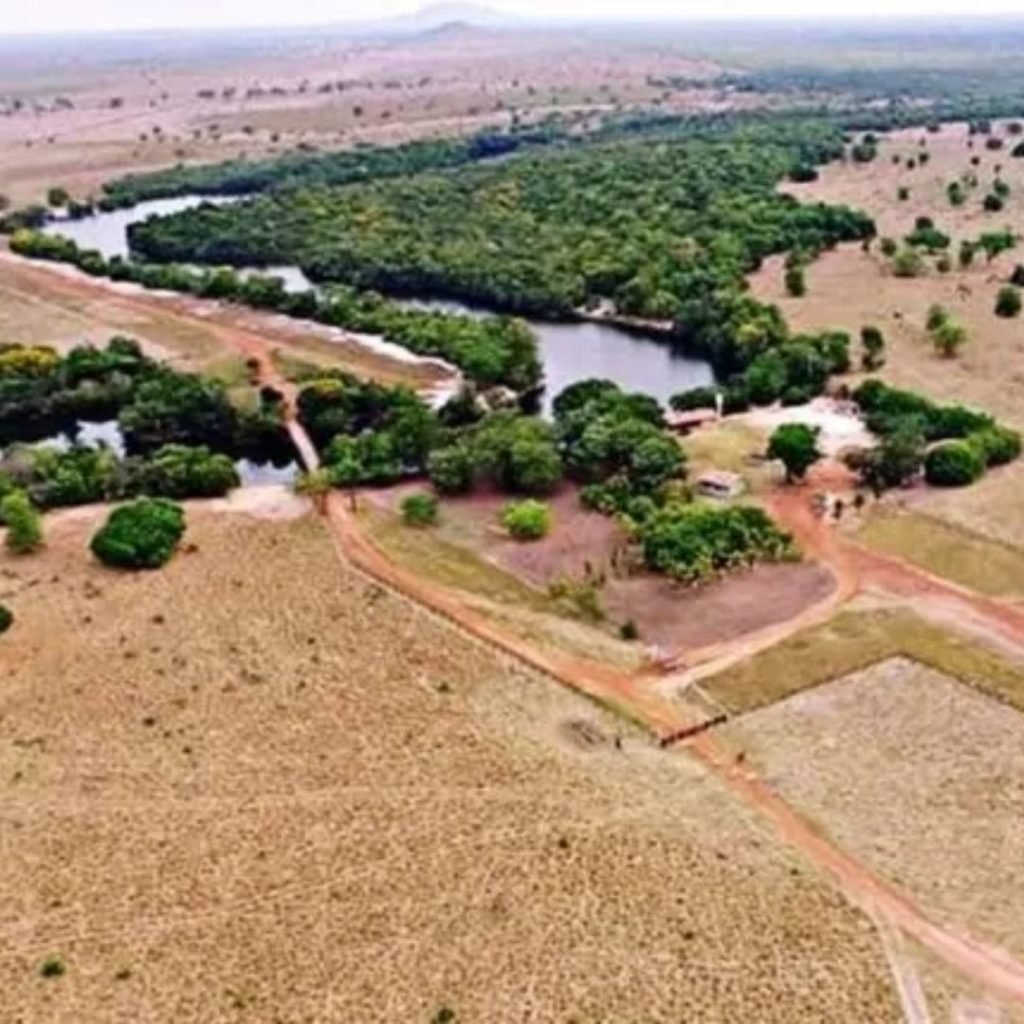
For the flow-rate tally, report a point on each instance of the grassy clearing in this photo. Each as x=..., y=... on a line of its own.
x=728, y=445
x=947, y=550
x=856, y=640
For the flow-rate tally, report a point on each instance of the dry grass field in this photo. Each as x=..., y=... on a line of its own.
x=919, y=775
x=143, y=109
x=253, y=786
x=848, y=288
x=57, y=306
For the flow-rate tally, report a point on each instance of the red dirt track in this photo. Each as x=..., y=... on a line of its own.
x=855, y=570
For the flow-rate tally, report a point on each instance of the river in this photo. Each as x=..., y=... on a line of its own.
x=569, y=351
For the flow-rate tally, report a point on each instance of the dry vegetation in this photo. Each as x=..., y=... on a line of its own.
x=849, y=288
x=147, y=108
x=917, y=774
x=53, y=306
x=254, y=786
x=856, y=639
x=947, y=550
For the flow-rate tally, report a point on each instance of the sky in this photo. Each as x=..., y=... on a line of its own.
x=103, y=15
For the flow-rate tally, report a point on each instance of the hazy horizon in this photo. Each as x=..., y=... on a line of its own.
x=68, y=16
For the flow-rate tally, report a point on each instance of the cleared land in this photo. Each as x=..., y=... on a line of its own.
x=56, y=306
x=919, y=775
x=227, y=797
x=947, y=550
x=587, y=547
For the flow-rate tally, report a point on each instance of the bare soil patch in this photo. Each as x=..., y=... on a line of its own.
x=919, y=775
x=585, y=545
x=256, y=785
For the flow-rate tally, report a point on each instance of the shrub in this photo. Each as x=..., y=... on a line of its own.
x=889, y=247
x=142, y=535
x=796, y=282
x=24, y=533
x=997, y=445
x=908, y=263
x=526, y=520
x=6, y=618
x=629, y=630
x=949, y=338
x=873, y=343
x=993, y=202
x=953, y=464
x=419, y=509
x=903, y=193
x=52, y=967
x=1008, y=302
x=1017, y=277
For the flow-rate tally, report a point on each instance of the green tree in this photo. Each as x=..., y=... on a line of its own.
x=1008, y=302
x=452, y=469
x=873, y=344
x=896, y=460
x=526, y=520
x=796, y=446
x=948, y=338
x=24, y=529
x=953, y=464
x=796, y=281
x=141, y=535
x=57, y=197
x=6, y=618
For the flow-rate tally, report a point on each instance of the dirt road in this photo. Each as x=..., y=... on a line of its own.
x=986, y=965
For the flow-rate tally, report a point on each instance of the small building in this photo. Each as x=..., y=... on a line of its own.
x=690, y=420
x=719, y=483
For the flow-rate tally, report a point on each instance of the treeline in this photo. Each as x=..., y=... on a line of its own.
x=304, y=169
x=181, y=432
x=489, y=351
x=665, y=231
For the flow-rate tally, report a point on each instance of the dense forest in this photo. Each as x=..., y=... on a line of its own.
x=664, y=230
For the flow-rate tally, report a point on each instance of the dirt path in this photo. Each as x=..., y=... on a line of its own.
x=987, y=965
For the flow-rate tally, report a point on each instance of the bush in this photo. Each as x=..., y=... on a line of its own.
x=873, y=343
x=953, y=464
x=419, y=509
x=6, y=618
x=451, y=470
x=796, y=282
x=24, y=533
x=526, y=520
x=1008, y=302
x=629, y=630
x=908, y=263
x=693, y=542
x=889, y=247
x=997, y=445
x=142, y=535
x=994, y=202
x=1017, y=277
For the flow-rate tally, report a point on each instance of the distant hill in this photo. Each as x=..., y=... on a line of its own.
x=433, y=18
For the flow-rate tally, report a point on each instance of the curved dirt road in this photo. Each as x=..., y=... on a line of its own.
x=989, y=966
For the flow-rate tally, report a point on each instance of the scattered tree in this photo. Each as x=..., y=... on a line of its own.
x=1008, y=302
x=142, y=535
x=796, y=446
x=953, y=464
x=24, y=530
x=873, y=344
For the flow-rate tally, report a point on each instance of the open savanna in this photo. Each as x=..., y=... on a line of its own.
x=256, y=786
x=848, y=288
x=136, y=103
x=919, y=775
